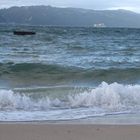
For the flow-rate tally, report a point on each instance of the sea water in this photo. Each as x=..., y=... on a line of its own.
x=70, y=74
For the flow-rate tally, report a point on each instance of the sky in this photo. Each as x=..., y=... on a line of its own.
x=133, y=5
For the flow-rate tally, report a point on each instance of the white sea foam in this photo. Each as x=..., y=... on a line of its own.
x=111, y=97
x=11, y=101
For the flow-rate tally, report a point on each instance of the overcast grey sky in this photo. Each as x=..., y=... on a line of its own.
x=133, y=5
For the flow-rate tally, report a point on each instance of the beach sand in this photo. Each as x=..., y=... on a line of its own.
x=40, y=131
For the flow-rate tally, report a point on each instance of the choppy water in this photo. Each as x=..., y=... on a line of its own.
x=68, y=73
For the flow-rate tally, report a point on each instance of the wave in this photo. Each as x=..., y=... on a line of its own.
x=35, y=67
x=11, y=101
x=109, y=97
x=53, y=73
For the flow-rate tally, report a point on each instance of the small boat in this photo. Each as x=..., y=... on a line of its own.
x=24, y=33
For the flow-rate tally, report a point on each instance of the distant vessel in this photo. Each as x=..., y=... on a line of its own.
x=99, y=25
x=24, y=33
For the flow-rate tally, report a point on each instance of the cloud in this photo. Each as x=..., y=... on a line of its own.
x=135, y=9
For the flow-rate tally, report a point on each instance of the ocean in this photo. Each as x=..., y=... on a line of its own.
x=69, y=74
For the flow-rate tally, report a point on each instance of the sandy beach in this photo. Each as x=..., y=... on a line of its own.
x=68, y=132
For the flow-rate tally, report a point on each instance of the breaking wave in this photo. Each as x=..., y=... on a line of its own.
x=110, y=97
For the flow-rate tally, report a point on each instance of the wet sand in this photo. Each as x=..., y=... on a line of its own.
x=40, y=131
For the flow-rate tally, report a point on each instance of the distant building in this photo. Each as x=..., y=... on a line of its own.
x=99, y=25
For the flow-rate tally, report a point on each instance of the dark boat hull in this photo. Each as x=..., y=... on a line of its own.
x=24, y=33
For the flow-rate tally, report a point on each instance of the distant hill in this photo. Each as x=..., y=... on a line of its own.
x=47, y=15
